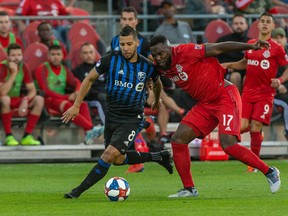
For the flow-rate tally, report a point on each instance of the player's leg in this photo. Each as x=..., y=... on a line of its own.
x=197, y=123
x=229, y=131
x=96, y=173
x=36, y=106
x=256, y=137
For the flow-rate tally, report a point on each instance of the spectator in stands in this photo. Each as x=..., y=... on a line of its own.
x=128, y=17
x=177, y=32
x=6, y=36
x=61, y=88
x=260, y=82
x=281, y=97
x=45, y=8
x=13, y=74
x=96, y=97
x=47, y=38
x=254, y=7
x=239, y=27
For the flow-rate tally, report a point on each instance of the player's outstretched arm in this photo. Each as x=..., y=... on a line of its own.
x=157, y=88
x=239, y=65
x=213, y=49
x=73, y=111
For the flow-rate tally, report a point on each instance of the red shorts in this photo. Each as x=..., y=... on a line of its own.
x=16, y=101
x=260, y=111
x=226, y=111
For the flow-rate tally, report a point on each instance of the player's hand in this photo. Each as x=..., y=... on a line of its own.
x=261, y=44
x=13, y=67
x=70, y=114
x=156, y=105
x=23, y=108
x=275, y=83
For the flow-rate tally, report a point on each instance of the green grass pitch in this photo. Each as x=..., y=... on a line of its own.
x=224, y=189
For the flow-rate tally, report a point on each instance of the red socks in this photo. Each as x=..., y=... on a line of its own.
x=256, y=141
x=31, y=123
x=6, y=119
x=246, y=156
x=182, y=163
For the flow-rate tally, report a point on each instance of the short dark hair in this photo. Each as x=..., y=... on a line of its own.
x=43, y=23
x=158, y=39
x=266, y=14
x=13, y=46
x=169, y=3
x=128, y=30
x=238, y=15
x=55, y=47
x=4, y=13
x=129, y=10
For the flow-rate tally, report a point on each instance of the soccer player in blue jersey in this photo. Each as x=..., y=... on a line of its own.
x=126, y=74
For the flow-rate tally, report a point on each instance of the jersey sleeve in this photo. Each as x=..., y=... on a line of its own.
x=23, y=8
x=282, y=57
x=3, y=73
x=102, y=66
x=193, y=51
x=27, y=75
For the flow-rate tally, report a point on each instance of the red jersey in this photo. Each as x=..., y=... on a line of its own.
x=202, y=78
x=5, y=41
x=42, y=73
x=4, y=72
x=42, y=8
x=262, y=66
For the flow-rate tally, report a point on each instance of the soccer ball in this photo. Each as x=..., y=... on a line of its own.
x=117, y=189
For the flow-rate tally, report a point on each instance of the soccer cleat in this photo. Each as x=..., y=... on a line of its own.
x=167, y=161
x=135, y=168
x=251, y=169
x=71, y=195
x=185, y=193
x=11, y=141
x=274, y=180
x=95, y=132
x=29, y=140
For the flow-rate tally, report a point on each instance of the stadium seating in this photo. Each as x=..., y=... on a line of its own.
x=282, y=10
x=34, y=55
x=86, y=33
x=10, y=4
x=253, y=31
x=74, y=11
x=216, y=29
x=30, y=34
x=74, y=55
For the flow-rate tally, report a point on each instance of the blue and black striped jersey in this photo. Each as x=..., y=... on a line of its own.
x=143, y=48
x=125, y=86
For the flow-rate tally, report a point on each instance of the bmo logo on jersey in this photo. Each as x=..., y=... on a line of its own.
x=264, y=64
x=181, y=74
x=139, y=87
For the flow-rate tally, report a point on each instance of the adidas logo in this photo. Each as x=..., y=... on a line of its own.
x=126, y=143
x=121, y=72
x=228, y=129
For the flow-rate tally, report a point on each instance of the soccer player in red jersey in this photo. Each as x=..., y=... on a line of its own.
x=261, y=82
x=7, y=37
x=193, y=68
x=13, y=74
x=54, y=79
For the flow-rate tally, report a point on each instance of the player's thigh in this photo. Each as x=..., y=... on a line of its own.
x=121, y=135
x=200, y=120
x=247, y=110
x=15, y=102
x=229, y=112
x=263, y=110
